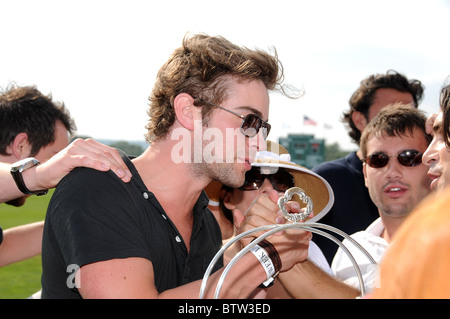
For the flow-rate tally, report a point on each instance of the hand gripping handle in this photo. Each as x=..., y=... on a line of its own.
x=297, y=217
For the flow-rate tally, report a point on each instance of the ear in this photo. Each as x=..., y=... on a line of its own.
x=227, y=199
x=360, y=120
x=185, y=111
x=238, y=218
x=20, y=148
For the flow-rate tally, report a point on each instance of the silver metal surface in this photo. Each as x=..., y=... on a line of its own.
x=272, y=229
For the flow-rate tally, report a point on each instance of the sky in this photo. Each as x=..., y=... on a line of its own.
x=101, y=57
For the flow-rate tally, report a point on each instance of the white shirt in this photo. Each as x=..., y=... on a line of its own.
x=371, y=241
x=316, y=256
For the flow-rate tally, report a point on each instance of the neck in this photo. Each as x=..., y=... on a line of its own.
x=172, y=183
x=10, y=159
x=391, y=225
x=176, y=189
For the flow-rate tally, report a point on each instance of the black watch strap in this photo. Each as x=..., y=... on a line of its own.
x=16, y=172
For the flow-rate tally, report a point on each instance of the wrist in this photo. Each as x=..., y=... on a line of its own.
x=19, y=170
x=30, y=178
x=269, y=259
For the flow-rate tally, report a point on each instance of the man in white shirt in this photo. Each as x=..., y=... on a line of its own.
x=392, y=146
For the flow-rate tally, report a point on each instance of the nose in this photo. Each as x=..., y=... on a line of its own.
x=266, y=187
x=258, y=142
x=394, y=169
x=430, y=155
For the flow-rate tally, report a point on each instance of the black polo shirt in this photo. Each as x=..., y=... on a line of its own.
x=93, y=216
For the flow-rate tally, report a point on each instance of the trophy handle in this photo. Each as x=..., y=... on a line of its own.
x=297, y=217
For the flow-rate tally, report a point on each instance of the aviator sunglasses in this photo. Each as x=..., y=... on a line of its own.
x=251, y=123
x=281, y=181
x=409, y=158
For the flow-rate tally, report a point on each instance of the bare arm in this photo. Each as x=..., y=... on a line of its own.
x=20, y=243
x=86, y=153
x=134, y=278
x=305, y=280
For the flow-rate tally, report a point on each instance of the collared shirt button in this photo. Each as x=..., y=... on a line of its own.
x=145, y=195
x=178, y=239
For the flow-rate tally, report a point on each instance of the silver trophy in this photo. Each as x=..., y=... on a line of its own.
x=298, y=222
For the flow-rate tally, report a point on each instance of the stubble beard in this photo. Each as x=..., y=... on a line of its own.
x=225, y=173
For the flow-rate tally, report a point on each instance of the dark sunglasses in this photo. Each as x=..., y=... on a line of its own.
x=281, y=180
x=409, y=158
x=251, y=123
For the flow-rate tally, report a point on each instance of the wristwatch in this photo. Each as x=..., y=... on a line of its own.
x=16, y=171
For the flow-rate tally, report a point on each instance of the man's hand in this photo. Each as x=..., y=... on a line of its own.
x=80, y=153
x=292, y=244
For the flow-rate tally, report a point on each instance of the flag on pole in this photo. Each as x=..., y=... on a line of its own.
x=308, y=121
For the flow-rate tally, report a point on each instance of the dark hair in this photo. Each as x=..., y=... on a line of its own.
x=445, y=107
x=228, y=213
x=201, y=68
x=395, y=119
x=363, y=98
x=27, y=110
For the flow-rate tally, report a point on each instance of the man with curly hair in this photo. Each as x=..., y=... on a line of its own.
x=353, y=210
x=437, y=156
x=154, y=237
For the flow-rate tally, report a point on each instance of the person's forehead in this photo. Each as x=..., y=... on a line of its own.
x=248, y=97
x=438, y=123
x=382, y=142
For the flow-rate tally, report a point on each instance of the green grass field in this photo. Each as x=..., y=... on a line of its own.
x=20, y=280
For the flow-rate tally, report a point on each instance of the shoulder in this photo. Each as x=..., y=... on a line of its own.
x=339, y=167
x=83, y=180
x=86, y=190
x=330, y=165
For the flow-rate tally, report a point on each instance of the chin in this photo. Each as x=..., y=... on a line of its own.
x=17, y=202
x=233, y=182
x=442, y=186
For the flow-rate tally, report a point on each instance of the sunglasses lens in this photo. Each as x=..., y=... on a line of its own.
x=410, y=158
x=281, y=180
x=251, y=125
x=253, y=180
x=377, y=160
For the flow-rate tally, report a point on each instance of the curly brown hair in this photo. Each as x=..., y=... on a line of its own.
x=445, y=107
x=395, y=119
x=201, y=68
x=362, y=99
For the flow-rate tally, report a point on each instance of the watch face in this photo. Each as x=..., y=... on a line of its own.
x=16, y=171
x=24, y=164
